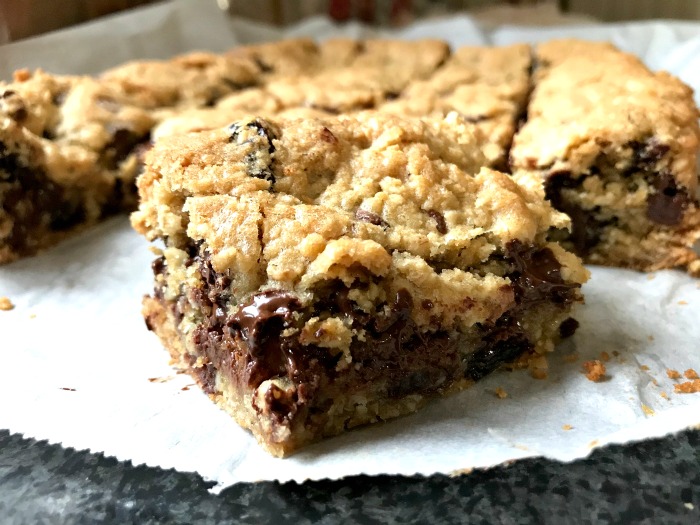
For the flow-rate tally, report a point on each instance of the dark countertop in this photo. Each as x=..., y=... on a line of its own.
x=656, y=481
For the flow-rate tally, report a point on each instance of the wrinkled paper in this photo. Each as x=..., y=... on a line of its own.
x=79, y=367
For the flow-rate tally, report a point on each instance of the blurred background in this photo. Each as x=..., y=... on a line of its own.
x=24, y=18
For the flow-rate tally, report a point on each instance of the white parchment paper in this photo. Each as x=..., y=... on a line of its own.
x=79, y=367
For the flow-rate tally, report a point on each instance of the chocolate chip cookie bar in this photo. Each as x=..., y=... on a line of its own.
x=70, y=151
x=488, y=86
x=193, y=80
x=321, y=274
x=616, y=146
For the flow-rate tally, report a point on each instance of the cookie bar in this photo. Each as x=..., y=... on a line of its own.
x=616, y=146
x=488, y=86
x=379, y=71
x=70, y=151
x=193, y=80
x=321, y=274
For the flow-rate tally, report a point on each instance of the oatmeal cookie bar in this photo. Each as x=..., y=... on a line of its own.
x=616, y=146
x=321, y=274
x=488, y=86
x=69, y=154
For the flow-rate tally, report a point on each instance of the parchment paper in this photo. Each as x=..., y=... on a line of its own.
x=79, y=367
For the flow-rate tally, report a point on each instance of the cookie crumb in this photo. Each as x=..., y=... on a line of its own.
x=605, y=357
x=567, y=427
x=644, y=367
x=159, y=379
x=691, y=374
x=571, y=358
x=616, y=353
x=687, y=387
x=664, y=395
x=593, y=443
x=539, y=367
x=651, y=338
x=594, y=370
x=648, y=410
x=500, y=393
x=651, y=277
x=5, y=304
x=539, y=373
x=682, y=302
x=673, y=374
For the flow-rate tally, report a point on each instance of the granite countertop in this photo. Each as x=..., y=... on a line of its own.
x=655, y=481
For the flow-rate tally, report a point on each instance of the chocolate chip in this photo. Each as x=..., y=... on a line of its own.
x=253, y=319
x=67, y=214
x=121, y=146
x=13, y=105
x=327, y=136
x=370, y=217
x=265, y=68
x=439, y=219
x=158, y=266
x=668, y=202
x=585, y=228
x=474, y=119
x=59, y=98
x=650, y=152
x=568, y=327
x=502, y=345
x=255, y=167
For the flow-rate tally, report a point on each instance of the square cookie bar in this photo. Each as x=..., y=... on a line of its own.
x=70, y=151
x=321, y=274
x=616, y=146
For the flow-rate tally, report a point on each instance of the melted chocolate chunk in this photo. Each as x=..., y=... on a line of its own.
x=260, y=320
x=282, y=404
x=439, y=219
x=371, y=217
x=585, y=228
x=668, y=202
x=537, y=276
x=505, y=343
